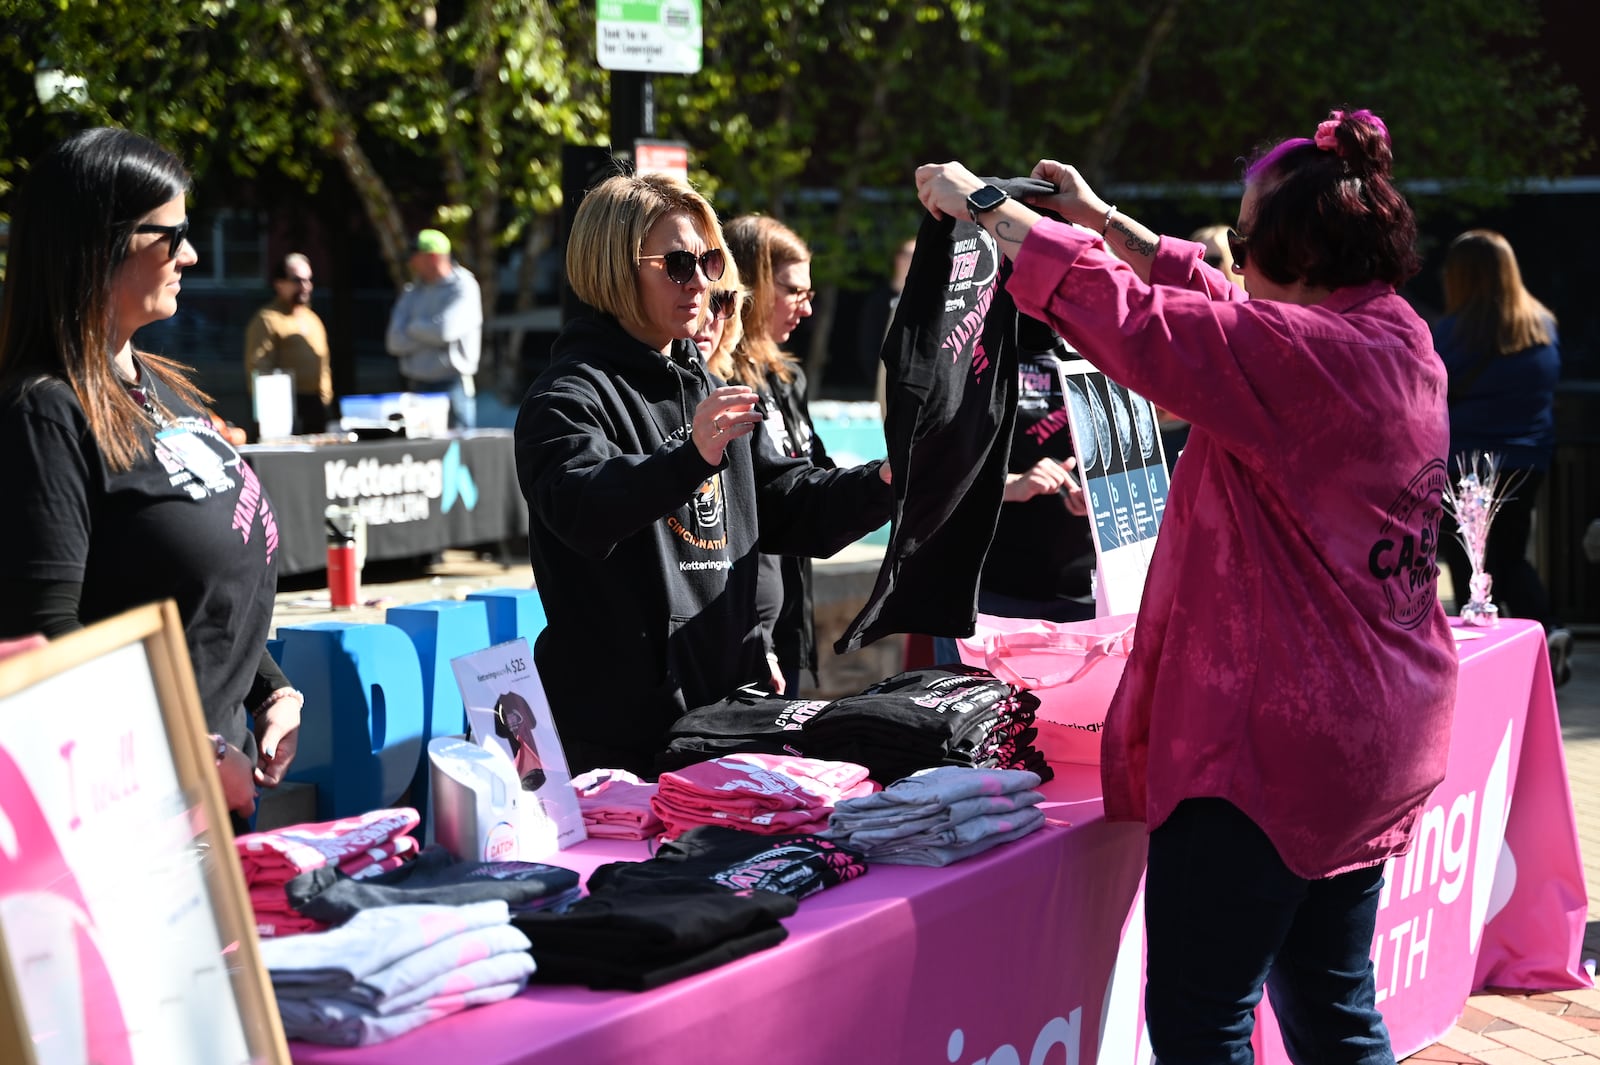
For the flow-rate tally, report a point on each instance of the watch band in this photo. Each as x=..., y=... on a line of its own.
x=219, y=747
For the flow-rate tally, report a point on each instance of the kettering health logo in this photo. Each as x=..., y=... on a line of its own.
x=393, y=493
x=458, y=482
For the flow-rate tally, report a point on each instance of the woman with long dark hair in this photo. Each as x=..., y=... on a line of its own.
x=1286, y=709
x=119, y=489
x=1501, y=349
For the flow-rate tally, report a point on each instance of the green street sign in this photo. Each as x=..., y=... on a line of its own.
x=653, y=36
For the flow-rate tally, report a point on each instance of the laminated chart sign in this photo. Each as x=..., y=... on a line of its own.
x=507, y=709
x=1124, y=473
x=126, y=937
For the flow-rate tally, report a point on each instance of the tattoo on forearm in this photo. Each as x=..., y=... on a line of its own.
x=1131, y=240
x=1006, y=233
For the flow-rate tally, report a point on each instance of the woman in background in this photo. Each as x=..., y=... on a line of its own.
x=715, y=340
x=776, y=266
x=120, y=490
x=720, y=331
x=1500, y=347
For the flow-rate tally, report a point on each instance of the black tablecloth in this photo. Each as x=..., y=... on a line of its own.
x=417, y=496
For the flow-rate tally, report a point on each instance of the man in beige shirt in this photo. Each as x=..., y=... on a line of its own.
x=287, y=335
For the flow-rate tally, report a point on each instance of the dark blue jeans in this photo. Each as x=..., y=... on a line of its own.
x=1223, y=916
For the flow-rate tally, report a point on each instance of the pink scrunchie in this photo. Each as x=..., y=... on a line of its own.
x=1327, y=138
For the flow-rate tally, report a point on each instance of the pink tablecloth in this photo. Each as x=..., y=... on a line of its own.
x=1492, y=894
x=1037, y=946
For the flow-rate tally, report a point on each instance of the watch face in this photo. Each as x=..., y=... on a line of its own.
x=985, y=198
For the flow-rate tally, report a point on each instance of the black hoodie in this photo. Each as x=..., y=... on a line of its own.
x=644, y=555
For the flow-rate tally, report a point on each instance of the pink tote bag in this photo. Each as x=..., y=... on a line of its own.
x=1072, y=667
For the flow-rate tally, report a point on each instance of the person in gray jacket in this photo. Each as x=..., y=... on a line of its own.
x=436, y=327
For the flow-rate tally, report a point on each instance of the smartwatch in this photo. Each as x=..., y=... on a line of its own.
x=985, y=199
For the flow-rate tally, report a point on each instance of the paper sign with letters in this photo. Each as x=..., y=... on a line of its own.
x=1124, y=472
x=507, y=709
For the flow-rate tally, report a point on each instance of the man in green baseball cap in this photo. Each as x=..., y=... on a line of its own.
x=436, y=327
x=431, y=242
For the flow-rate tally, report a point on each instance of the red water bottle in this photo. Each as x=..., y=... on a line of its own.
x=344, y=573
x=344, y=579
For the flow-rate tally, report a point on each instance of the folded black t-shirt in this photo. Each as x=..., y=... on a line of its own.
x=797, y=865
x=433, y=877
x=637, y=940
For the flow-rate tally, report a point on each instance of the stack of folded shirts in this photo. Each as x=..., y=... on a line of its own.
x=434, y=877
x=393, y=969
x=940, y=815
x=712, y=895
x=363, y=846
x=748, y=721
x=636, y=941
x=796, y=866
x=1010, y=744
x=616, y=805
x=763, y=793
x=953, y=715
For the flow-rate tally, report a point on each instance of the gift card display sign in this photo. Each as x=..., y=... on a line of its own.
x=507, y=709
x=1124, y=471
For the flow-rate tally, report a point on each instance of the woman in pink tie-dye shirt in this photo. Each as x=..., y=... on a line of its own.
x=1286, y=710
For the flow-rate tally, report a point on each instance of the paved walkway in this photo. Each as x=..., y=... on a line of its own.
x=1495, y=1029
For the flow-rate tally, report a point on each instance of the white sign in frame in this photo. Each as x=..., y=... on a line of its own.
x=126, y=936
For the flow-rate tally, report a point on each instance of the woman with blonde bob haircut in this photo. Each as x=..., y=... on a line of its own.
x=1500, y=348
x=619, y=215
x=647, y=494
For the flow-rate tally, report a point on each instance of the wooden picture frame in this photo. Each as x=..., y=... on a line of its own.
x=126, y=934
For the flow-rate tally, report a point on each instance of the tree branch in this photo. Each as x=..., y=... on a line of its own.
x=376, y=199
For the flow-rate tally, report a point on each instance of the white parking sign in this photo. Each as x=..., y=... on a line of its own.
x=654, y=36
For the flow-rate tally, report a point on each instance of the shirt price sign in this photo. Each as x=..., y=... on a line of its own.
x=506, y=708
x=652, y=36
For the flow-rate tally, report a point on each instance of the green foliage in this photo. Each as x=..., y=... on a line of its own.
x=455, y=119
x=458, y=112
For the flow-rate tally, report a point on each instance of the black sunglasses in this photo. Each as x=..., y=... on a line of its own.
x=724, y=303
x=1238, y=247
x=680, y=265
x=176, y=235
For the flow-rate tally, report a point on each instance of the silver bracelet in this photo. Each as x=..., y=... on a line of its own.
x=1107, y=227
x=277, y=697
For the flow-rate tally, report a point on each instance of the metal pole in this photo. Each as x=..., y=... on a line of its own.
x=633, y=110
